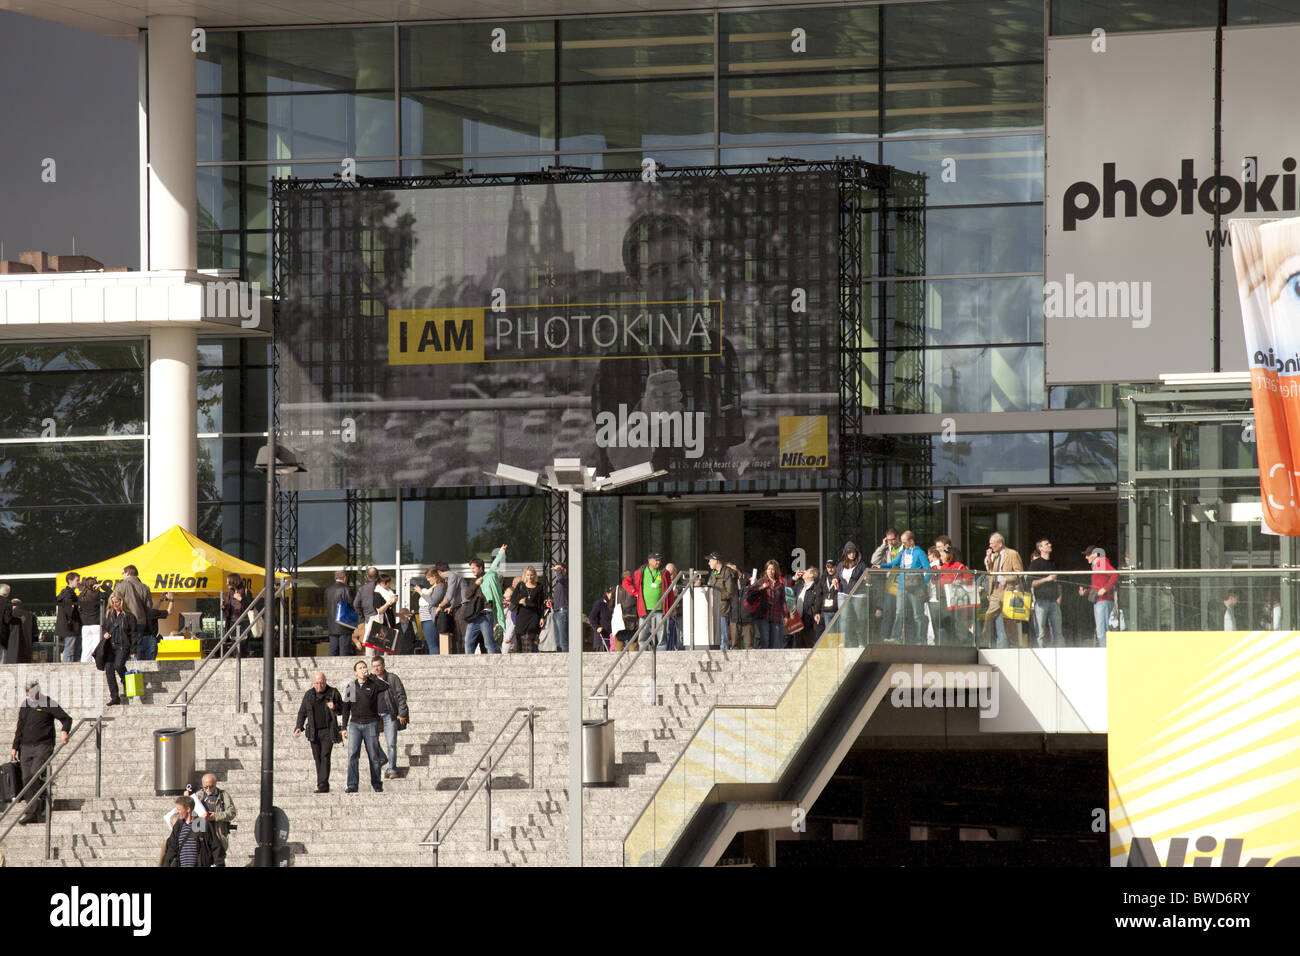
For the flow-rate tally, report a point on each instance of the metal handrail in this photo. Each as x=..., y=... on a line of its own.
x=656, y=627
x=858, y=590
x=45, y=788
x=183, y=698
x=485, y=757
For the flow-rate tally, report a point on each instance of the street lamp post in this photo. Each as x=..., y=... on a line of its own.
x=274, y=460
x=570, y=476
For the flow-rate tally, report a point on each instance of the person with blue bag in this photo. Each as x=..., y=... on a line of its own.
x=342, y=616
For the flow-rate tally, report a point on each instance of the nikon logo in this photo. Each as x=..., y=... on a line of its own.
x=803, y=441
x=1187, y=194
x=179, y=582
x=1142, y=852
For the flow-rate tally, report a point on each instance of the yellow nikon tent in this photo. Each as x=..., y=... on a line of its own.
x=179, y=562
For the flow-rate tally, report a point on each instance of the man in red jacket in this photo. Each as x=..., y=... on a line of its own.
x=1102, y=591
x=649, y=584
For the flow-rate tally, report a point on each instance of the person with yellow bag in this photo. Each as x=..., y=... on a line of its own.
x=1005, y=578
x=887, y=552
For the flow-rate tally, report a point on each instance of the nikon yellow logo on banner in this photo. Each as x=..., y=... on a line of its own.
x=1203, y=754
x=803, y=441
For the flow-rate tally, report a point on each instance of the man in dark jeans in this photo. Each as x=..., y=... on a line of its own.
x=1047, y=594
x=361, y=709
x=340, y=634
x=318, y=717
x=34, y=743
x=67, y=619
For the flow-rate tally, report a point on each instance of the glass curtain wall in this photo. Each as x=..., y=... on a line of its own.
x=953, y=90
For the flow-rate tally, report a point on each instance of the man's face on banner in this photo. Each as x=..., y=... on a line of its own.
x=671, y=269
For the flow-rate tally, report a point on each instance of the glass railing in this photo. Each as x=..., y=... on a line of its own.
x=757, y=744
x=752, y=744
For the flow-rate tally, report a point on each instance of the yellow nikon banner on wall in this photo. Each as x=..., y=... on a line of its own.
x=1204, y=748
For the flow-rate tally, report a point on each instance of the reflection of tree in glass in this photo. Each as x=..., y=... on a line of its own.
x=518, y=523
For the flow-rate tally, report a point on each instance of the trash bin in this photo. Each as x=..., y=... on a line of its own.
x=173, y=760
x=598, y=753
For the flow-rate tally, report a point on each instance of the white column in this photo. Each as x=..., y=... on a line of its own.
x=173, y=244
x=173, y=186
x=173, y=424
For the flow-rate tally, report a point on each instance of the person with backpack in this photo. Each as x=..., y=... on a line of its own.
x=483, y=611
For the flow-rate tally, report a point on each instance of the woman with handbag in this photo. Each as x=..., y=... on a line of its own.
x=385, y=611
x=527, y=602
x=121, y=631
x=234, y=601
x=960, y=598
x=771, y=620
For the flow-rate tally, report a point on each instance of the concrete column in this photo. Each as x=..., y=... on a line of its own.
x=173, y=424
x=173, y=186
x=172, y=241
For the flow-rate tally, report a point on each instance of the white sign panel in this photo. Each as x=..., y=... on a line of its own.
x=1128, y=284
x=1261, y=145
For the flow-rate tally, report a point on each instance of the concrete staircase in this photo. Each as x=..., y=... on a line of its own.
x=457, y=705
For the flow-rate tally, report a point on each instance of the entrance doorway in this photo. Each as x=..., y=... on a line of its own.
x=748, y=531
x=1071, y=521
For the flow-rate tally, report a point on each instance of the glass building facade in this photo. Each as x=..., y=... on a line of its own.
x=954, y=90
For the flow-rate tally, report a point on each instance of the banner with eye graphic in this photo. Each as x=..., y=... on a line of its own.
x=1266, y=254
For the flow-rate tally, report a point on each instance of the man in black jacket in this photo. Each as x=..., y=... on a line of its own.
x=361, y=709
x=192, y=842
x=392, y=711
x=67, y=619
x=340, y=634
x=34, y=743
x=318, y=717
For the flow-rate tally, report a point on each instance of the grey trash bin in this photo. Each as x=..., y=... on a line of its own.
x=598, y=753
x=173, y=760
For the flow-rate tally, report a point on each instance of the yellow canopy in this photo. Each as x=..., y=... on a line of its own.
x=176, y=561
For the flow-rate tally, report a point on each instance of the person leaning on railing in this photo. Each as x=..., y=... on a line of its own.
x=34, y=743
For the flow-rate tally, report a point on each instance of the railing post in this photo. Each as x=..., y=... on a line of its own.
x=605, y=702
x=99, y=755
x=49, y=812
x=532, y=778
x=489, y=802
x=654, y=669
x=185, y=709
x=239, y=683
x=436, y=843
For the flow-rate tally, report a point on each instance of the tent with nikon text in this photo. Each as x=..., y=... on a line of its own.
x=176, y=561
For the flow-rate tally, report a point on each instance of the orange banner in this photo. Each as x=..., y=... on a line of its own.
x=1266, y=254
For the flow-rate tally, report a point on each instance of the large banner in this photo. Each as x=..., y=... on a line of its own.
x=1266, y=256
x=1131, y=192
x=429, y=333
x=1204, y=767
